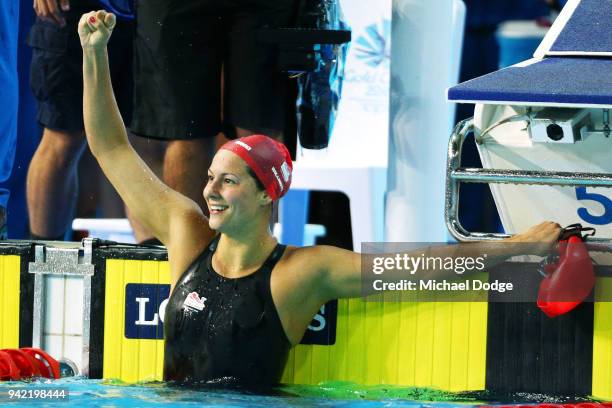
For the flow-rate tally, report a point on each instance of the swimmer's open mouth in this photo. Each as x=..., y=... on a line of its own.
x=216, y=209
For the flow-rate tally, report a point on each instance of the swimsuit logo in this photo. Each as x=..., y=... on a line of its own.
x=193, y=301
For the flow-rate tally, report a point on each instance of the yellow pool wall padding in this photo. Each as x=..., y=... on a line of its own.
x=130, y=360
x=429, y=344
x=10, y=280
x=602, y=342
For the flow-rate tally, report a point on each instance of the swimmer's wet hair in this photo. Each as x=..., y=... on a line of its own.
x=258, y=183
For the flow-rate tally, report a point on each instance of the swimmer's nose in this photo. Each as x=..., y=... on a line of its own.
x=211, y=189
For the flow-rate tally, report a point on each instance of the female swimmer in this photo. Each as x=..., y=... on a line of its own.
x=239, y=300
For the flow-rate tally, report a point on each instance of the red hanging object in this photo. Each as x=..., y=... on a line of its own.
x=570, y=279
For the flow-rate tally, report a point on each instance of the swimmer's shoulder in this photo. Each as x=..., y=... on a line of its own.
x=190, y=235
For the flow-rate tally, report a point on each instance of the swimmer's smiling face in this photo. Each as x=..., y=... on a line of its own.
x=231, y=194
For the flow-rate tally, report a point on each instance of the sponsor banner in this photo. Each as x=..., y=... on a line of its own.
x=322, y=329
x=145, y=305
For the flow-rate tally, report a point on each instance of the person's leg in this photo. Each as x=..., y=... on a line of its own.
x=182, y=166
x=186, y=165
x=177, y=70
x=57, y=84
x=52, y=183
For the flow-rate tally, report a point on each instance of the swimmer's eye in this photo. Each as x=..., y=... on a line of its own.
x=230, y=181
x=209, y=178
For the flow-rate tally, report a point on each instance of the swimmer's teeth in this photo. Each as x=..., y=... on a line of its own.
x=217, y=207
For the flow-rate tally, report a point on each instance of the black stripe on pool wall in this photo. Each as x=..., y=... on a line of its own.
x=96, y=332
x=530, y=352
x=26, y=297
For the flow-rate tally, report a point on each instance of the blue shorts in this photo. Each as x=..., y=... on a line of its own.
x=56, y=75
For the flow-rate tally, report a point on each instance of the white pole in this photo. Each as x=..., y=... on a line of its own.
x=426, y=44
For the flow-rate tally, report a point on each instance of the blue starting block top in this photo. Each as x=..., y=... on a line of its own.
x=576, y=82
x=572, y=68
x=584, y=27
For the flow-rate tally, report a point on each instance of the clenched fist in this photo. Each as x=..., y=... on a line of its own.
x=95, y=29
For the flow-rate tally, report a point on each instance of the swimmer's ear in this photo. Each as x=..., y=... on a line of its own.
x=264, y=198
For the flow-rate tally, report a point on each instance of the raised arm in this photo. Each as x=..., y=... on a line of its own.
x=174, y=219
x=339, y=270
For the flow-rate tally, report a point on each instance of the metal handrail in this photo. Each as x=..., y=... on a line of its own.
x=455, y=175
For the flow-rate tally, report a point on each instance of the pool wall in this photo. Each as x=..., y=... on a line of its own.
x=110, y=322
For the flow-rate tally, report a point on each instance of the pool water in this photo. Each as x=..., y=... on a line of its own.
x=103, y=393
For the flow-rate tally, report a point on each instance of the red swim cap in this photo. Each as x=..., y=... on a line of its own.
x=269, y=160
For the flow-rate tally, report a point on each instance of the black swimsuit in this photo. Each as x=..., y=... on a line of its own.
x=224, y=329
